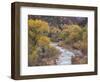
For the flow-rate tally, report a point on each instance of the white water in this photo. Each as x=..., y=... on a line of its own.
x=65, y=56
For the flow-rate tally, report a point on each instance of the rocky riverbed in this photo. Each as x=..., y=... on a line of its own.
x=69, y=56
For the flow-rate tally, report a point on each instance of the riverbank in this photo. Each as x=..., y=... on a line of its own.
x=65, y=57
x=60, y=55
x=79, y=56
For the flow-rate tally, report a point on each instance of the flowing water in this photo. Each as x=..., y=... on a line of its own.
x=65, y=56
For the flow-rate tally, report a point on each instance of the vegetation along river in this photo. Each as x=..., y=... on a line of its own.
x=65, y=56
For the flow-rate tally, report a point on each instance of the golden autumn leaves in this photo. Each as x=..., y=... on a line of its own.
x=41, y=34
x=38, y=25
x=39, y=42
x=38, y=29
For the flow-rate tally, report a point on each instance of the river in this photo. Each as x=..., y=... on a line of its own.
x=65, y=56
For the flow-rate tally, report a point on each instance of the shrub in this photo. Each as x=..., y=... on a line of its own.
x=32, y=58
x=52, y=51
x=38, y=25
x=43, y=41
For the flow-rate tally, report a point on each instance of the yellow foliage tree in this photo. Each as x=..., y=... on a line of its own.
x=37, y=37
x=38, y=28
x=43, y=41
x=82, y=43
x=55, y=30
x=38, y=25
x=73, y=31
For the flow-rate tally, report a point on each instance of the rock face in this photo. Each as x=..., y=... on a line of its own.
x=58, y=21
